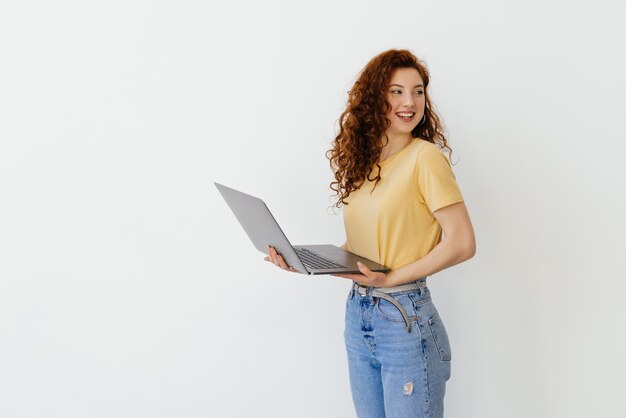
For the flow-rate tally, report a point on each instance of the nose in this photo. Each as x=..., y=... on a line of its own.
x=407, y=99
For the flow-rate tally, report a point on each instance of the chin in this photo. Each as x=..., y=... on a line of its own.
x=402, y=131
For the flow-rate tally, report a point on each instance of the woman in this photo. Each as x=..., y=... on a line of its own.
x=399, y=195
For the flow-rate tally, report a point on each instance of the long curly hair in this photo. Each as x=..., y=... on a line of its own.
x=357, y=147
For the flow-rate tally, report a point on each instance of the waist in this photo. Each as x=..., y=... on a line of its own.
x=365, y=290
x=386, y=293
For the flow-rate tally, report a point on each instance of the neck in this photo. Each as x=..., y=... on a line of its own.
x=395, y=144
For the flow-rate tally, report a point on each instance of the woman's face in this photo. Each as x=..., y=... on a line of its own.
x=405, y=94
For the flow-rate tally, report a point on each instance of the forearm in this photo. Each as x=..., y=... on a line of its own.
x=447, y=253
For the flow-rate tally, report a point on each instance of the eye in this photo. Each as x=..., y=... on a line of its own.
x=396, y=92
x=418, y=92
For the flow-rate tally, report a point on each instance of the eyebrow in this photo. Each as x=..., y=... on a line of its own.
x=398, y=85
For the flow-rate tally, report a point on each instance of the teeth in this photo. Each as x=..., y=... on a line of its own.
x=406, y=115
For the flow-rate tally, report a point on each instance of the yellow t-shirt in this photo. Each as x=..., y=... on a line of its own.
x=395, y=225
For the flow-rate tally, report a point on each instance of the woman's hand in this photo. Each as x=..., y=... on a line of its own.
x=274, y=257
x=367, y=278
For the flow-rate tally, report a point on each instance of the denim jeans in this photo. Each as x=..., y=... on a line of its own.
x=395, y=373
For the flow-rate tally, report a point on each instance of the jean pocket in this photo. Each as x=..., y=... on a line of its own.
x=391, y=313
x=440, y=336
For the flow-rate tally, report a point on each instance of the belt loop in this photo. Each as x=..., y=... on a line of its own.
x=419, y=288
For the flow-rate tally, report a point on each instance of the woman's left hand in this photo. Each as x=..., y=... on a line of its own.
x=367, y=278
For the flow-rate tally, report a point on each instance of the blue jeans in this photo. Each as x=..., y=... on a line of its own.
x=395, y=373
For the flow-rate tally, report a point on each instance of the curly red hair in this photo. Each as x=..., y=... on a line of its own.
x=358, y=145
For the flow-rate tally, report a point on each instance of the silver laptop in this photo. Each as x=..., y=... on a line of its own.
x=260, y=225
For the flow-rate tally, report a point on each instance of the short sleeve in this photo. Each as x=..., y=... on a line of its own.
x=435, y=179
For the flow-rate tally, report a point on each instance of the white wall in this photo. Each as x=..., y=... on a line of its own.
x=128, y=289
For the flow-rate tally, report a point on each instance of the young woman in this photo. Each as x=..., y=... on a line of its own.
x=400, y=199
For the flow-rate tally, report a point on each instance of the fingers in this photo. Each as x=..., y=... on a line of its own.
x=282, y=263
x=365, y=275
x=271, y=254
x=278, y=259
x=364, y=269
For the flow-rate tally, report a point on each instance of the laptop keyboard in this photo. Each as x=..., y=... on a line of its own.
x=315, y=261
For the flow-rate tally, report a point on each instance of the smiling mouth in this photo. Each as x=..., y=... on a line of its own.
x=406, y=116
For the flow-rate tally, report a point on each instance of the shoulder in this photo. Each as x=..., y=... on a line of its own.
x=429, y=153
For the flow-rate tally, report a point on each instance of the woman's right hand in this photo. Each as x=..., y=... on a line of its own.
x=274, y=257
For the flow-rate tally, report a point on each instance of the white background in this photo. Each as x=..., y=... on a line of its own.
x=128, y=289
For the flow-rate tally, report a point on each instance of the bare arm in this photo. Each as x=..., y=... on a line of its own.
x=459, y=245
